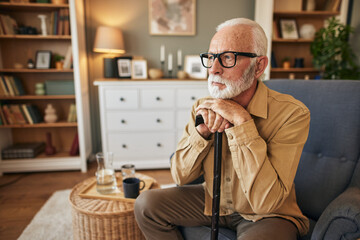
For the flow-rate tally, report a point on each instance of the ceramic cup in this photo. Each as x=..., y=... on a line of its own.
x=132, y=187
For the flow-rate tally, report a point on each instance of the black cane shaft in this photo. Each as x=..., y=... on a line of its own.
x=216, y=186
x=216, y=182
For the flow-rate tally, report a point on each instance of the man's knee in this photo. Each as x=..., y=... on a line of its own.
x=146, y=202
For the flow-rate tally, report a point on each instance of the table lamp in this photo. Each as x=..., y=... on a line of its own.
x=109, y=40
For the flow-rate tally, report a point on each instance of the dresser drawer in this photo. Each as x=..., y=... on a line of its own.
x=137, y=145
x=121, y=99
x=182, y=118
x=126, y=120
x=186, y=97
x=163, y=98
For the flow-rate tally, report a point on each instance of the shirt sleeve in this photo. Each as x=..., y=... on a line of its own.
x=266, y=169
x=191, y=150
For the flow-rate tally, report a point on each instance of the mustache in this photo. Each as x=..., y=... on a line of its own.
x=216, y=79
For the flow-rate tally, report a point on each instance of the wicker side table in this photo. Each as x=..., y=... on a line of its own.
x=95, y=219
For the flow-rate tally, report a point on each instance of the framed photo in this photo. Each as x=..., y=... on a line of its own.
x=123, y=67
x=43, y=59
x=288, y=29
x=169, y=17
x=139, y=69
x=194, y=68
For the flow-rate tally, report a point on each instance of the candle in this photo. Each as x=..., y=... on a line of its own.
x=162, y=53
x=179, y=60
x=170, y=59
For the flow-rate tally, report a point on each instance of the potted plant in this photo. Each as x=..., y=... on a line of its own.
x=332, y=53
x=59, y=61
x=286, y=62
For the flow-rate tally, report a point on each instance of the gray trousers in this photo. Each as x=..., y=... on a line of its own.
x=158, y=212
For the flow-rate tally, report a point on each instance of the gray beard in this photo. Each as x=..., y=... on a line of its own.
x=233, y=88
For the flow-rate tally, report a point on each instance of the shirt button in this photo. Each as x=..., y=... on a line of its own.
x=228, y=179
x=231, y=136
x=229, y=201
x=201, y=144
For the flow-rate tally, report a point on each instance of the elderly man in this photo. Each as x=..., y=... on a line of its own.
x=264, y=134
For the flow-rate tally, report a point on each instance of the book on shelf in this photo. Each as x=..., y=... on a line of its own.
x=11, y=86
x=75, y=146
x=20, y=114
x=27, y=114
x=72, y=113
x=8, y=25
x=68, y=58
x=23, y=150
x=332, y=5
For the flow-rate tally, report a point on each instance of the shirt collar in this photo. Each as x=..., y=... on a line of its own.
x=258, y=103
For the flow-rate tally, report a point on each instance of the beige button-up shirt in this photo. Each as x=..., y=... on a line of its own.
x=259, y=159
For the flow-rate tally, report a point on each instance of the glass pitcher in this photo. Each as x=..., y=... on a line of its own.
x=105, y=174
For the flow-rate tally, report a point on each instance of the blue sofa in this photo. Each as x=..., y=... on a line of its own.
x=327, y=182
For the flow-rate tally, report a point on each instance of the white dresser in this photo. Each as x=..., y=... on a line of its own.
x=142, y=121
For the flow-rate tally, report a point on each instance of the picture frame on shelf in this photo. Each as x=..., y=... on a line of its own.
x=123, y=67
x=139, y=69
x=43, y=59
x=167, y=17
x=288, y=29
x=194, y=68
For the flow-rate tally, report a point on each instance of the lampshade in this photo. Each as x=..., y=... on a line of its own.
x=109, y=40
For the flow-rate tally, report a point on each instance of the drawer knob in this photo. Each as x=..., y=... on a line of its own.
x=123, y=121
x=158, y=120
x=122, y=99
x=124, y=146
x=158, y=98
x=159, y=144
x=193, y=98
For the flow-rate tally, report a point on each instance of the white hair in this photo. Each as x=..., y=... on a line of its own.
x=259, y=36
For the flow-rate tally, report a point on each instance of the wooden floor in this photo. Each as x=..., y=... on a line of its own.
x=23, y=194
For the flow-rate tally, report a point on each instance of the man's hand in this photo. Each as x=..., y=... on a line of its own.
x=219, y=115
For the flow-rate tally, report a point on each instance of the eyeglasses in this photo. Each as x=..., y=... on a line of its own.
x=226, y=59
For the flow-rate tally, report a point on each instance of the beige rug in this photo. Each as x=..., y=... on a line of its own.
x=53, y=221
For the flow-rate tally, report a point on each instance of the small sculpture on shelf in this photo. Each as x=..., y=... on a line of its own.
x=39, y=89
x=50, y=114
x=43, y=24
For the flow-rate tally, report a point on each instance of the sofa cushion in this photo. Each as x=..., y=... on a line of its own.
x=332, y=149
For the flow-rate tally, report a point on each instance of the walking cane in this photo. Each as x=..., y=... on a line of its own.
x=216, y=182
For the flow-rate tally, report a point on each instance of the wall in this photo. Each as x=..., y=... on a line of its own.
x=132, y=18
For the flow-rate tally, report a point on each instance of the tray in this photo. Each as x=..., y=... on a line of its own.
x=89, y=191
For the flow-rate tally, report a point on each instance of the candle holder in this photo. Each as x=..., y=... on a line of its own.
x=170, y=74
x=163, y=66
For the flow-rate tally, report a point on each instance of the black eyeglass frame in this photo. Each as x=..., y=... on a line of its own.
x=217, y=55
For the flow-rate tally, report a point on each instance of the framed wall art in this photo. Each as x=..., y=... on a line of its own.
x=288, y=29
x=172, y=17
x=123, y=67
x=194, y=68
x=43, y=59
x=139, y=69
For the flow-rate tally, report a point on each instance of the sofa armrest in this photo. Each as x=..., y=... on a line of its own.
x=341, y=218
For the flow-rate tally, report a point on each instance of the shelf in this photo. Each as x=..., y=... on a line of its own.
x=25, y=70
x=36, y=97
x=300, y=40
x=35, y=37
x=317, y=14
x=43, y=156
x=294, y=70
x=31, y=6
x=41, y=125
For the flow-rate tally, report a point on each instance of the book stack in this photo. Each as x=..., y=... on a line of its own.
x=19, y=114
x=11, y=86
x=8, y=25
x=23, y=150
x=60, y=22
